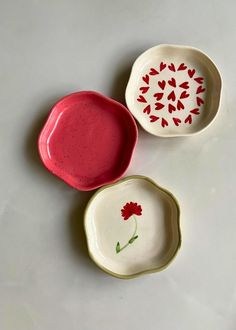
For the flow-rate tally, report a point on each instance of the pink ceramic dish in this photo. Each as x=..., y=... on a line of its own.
x=88, y=140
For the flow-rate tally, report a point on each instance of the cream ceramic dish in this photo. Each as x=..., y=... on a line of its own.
x=132, y=227
x=173, y=90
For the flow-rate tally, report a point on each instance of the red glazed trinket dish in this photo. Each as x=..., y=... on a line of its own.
x=88, y=140
x=174, y=90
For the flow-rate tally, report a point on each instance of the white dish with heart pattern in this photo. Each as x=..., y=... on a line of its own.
x=174, y=90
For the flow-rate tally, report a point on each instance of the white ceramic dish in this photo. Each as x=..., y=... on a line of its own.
x=174, y=90
x=132, y=227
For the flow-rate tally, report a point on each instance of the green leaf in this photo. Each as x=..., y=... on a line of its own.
x=118, y=247
x=133, y=239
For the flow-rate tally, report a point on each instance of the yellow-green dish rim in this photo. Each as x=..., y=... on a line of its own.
x=148, y=271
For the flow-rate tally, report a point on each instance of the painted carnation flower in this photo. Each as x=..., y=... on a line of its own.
x=130, y=209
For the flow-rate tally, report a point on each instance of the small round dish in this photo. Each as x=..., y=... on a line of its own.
x=132, y=227
x=174, y=90
x=88, y=140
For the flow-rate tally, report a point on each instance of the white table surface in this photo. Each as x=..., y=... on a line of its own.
x=51, y=48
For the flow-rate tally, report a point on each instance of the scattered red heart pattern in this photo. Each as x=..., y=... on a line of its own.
x=175, y=103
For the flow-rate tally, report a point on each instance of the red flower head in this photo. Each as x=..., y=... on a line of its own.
x=130, y=209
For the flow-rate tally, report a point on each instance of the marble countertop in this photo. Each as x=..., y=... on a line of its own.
x=47, y=281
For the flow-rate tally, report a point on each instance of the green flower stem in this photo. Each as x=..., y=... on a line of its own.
x=133, y=237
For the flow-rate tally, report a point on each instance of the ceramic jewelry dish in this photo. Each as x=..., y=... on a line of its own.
x=132, y=227
x=88, y=140
x=174, y=90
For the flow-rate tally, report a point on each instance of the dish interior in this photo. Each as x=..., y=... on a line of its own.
x=157, y=228
x=88, y=140
x=173, y=90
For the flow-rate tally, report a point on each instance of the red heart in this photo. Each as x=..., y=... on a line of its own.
x=153, y=119
x=146, y=79
x=199, y=80
x=180, y=105
x=188, y=119
x=159, y=106
x=172, y=82
x=162, y=84
x=191, y=73
x=177, y=121
x=171, y=108
x=141, y=99
x=184, y=85
x=158, y=96
x=147, y=109
x=164, y=122
x=199, y=101
x=171, y=96
x=144, y=89
x=200, y=90
x=195, y=111
x=171, y=67
x=182, y=67
x=184, y=94
x=162, y=66
x=153, y=72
